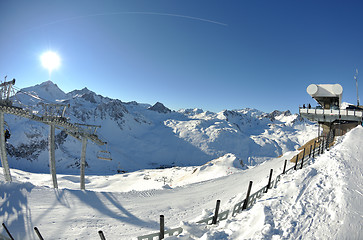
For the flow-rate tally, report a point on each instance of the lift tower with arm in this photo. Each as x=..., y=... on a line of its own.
x=53, y=115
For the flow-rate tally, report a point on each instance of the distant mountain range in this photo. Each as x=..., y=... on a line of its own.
x=144, y=136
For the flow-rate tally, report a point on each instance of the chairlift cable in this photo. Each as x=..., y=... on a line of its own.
x=32, y=95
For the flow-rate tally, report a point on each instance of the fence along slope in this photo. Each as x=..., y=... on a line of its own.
x=250, y=200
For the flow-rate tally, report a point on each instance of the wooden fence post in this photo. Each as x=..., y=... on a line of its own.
x=311, y=147
x=215, y=217
x=38, y=233
x=269, y=181
x=162, y=227
x=283, y=171
x=302, y=159
x=314, y=149
x=319, y=150
x=245, y=204
x=322, y=147
x=297, y=159
x=303, y=153
x=7, y=231
x=101, y=235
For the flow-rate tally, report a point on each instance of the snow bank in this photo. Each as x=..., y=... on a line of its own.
x=223, y=166
x=321, y=201
x=141, y=180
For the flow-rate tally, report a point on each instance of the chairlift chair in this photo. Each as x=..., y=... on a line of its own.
x=104, y=155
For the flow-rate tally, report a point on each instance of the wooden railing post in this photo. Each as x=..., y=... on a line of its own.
x=102, y=236
x=284, y=170
x=322, y=147
x=269, y=181
x=319, y=150
x=215, y=217
x=38, y=233
x=162, y=227
x=302, y=159
x=314, y=149
x=296, y=160
x=245, y=204
x=8, y=232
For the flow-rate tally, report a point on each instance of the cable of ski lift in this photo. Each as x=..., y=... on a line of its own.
x=32, y=95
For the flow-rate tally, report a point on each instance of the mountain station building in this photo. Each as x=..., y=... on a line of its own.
x=329, y=113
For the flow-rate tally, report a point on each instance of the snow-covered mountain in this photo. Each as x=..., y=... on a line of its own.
x=143, y=136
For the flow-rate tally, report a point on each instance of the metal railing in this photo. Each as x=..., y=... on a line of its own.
x=342, y=112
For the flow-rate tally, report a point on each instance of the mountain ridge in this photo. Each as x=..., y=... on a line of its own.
x=140, y=138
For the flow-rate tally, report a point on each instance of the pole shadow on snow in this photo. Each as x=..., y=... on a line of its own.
x=107, y=204
x=14, y=210
x=101, y=205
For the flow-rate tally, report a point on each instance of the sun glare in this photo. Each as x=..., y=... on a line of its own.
x=50, y=60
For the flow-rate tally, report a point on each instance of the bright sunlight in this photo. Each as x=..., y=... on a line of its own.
x=50, y=60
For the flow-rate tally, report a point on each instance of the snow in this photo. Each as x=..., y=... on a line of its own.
x=321, y=201
x=177, y=164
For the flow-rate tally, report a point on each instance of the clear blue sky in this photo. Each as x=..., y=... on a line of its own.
x=220, y=55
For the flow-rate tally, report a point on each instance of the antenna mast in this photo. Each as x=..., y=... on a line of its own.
x=356, y=84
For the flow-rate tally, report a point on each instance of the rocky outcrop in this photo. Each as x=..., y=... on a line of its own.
x=159, y=107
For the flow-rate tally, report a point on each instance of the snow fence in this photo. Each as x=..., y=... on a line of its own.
x=308, y=155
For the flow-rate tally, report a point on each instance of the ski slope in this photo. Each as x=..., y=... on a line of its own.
x=322, y=201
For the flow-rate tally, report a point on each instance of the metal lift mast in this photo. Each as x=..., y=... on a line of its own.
x=54, y=117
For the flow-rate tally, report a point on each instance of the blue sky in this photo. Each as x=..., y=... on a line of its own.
x=220, y=55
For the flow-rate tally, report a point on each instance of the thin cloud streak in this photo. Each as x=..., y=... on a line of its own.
x=124, y=13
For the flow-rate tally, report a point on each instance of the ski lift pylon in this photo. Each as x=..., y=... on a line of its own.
x=104, y=154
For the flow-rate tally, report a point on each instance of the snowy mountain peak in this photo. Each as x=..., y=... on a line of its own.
x=80, y=92
x=47, y=90
x=88, y=96
x=278, y=113
x=159, y=107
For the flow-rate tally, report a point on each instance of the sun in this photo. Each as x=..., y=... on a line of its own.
x=50, y=60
